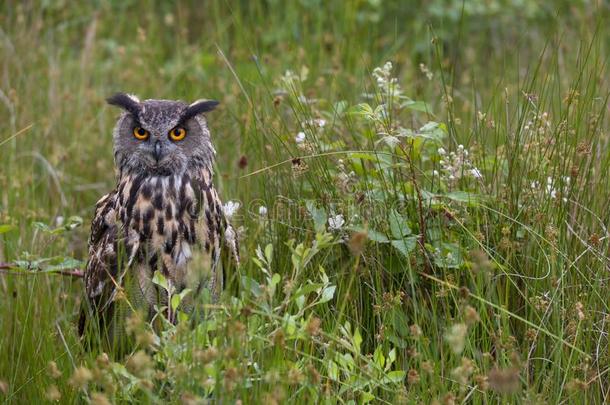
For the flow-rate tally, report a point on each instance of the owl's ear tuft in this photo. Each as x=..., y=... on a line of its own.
x=198, y=107
x=126, y=101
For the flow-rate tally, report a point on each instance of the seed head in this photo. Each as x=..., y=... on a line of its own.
x=314, y=375
x=504, y=381
x=413, y=377
x=415, y=330
x=357, y=242
x=206, y=356
x=52, y=393
x=98, y=398
x=471, y=316
x=139, y=364
x=53, y=370
x=456, y=337
x=313, y=326
x=80, y=377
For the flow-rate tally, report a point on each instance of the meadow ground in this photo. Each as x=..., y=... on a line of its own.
x=430, y=229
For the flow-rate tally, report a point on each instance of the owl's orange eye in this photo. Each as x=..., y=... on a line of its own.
x=140, y=133
x=177, y=134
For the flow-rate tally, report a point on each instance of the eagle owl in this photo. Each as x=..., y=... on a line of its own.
x=164, y=214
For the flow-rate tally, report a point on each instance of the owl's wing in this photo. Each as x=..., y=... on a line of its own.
x=101, y=270
x=226, y=229
x=213, y=203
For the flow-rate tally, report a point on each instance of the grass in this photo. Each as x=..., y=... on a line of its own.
x=441, y=285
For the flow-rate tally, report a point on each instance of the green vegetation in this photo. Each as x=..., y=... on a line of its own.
x=434, y=228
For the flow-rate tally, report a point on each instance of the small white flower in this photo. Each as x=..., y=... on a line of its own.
x=300, y=138
x=230, y=208
x=460, y=147
x=435, y=173
x=442, y=151
x=336, y=222
x=321, y=122
x=59, y=221
x=262, y=211
x=476, y=173
x=535, y=184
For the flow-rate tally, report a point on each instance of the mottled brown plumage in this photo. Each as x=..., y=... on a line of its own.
x=164, y=215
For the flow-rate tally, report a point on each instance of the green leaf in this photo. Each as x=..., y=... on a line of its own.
x=416, y=106
x=406, y=245
x=399, y=322
x=366, y=397
x=398, y=342
x=62, y=263
x=357, y=340
x=269, y=253
x=391, y=357
x=300, y=300
x=7, y=228
x=378, y=357
x=327, y=294
x=364, y=156
x=178, y=298
x=372, y=234
x=275, y=279
x=251, y=285
x=318, y=215
x=377, y=236
x=73, y=222
x=465, y=197
x=361, y=109
x=291, y=325
x=433, y=131
x=396, y=376
x=160, y=280
x=333, y=370
x=398, y=225
x=175, y=301
x=41, y=226
x=340, y=107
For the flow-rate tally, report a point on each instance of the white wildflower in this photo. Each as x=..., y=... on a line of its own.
x=476, y=173
x=424, y=69
x=300, y=138
x=456, y=165
x=387, y=84
x=262, y=211
x=230, y=208
x=335, y=223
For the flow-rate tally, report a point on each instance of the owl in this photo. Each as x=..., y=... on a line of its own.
x=163, y=216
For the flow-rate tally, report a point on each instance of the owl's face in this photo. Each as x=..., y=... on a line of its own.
x=161, y=137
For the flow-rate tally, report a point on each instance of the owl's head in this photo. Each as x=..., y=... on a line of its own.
x=161, y=137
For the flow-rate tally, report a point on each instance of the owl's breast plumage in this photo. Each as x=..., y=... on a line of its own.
x=166, y=220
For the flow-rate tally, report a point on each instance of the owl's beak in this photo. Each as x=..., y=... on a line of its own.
x=157, y=151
